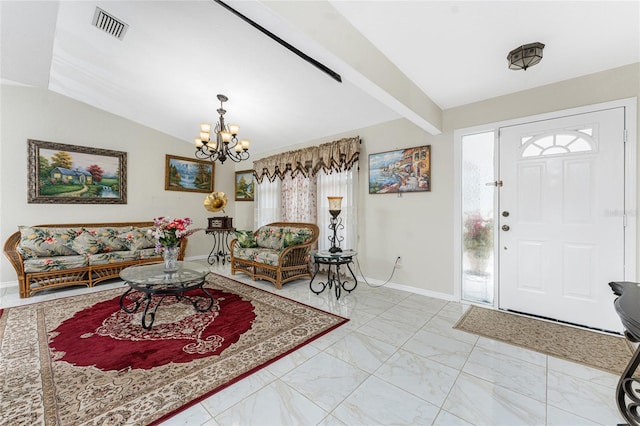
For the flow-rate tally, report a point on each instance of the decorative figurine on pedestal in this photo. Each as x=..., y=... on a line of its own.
x=335, y=206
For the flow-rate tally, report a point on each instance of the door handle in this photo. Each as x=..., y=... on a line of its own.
x=505, y=227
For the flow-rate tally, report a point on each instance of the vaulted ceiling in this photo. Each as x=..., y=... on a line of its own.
x=408, y=59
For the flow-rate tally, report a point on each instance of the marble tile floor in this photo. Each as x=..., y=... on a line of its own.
x=398, y=362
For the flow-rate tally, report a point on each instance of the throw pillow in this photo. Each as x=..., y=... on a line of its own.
x=246, y=239
x=46, y=242
x=138, y=239
x=87, y=243
x=269, y=237
x=295, y=236
x=109, y=237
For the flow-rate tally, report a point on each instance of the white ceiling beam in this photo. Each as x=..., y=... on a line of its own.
x=320, y=31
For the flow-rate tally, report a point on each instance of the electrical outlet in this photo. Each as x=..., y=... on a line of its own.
x=398, y=263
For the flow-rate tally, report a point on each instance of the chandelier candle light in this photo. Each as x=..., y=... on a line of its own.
x=224, y=143
x=335, y=207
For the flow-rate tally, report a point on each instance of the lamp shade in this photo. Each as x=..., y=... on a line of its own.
x=335, y=205
x=525, y=56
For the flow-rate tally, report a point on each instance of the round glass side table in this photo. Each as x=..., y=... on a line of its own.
x=334, y=262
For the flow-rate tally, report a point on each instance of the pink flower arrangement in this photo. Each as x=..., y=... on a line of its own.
x=168, y=232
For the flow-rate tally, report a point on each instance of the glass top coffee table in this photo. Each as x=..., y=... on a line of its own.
x=152, y=280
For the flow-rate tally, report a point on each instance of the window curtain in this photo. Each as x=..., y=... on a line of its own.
x=298, y=199
x=293, y=186
x=266, y=206
x=333, y=156
x=344, y=184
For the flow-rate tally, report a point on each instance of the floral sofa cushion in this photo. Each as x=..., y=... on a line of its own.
x=246, y=253
x=258, y=255
x=43, y=264
x=87, y=243
x=113, y=257
x=46, y=242
x=292, y=236
x=147, y=253
x=64, y=248
x=246, y=239
x=267, y=257
x=269, y=243
x=138, y=238
x=109, y=238
x=269, y=237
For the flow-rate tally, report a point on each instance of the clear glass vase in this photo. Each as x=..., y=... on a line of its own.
x=170, y=256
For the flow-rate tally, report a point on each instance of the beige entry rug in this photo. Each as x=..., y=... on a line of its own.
x=83, y=360
x=602, y=351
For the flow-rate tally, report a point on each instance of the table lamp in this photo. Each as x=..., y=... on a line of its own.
x=335, y=206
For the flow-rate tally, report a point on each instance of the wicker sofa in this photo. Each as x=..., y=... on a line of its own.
x=61, y=255
x=277, y=252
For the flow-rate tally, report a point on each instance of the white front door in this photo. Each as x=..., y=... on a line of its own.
x=561, y=221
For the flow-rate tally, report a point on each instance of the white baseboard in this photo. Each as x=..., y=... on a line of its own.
x=415, y=290
x=202, y=257
x=8, y=284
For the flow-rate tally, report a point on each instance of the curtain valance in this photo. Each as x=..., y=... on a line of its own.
x=337, y=155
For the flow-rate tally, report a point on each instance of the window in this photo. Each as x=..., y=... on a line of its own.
x=304, y=199
x=478, y=217
x=344, y=184
x=266, y=203
x=558, y=143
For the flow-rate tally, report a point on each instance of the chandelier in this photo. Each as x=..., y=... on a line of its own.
x=224, y=142
x=525, y=56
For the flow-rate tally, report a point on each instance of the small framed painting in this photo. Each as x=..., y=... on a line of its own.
x=244, y=185
x=188, y=174
x=72, y=174
x=402, y=170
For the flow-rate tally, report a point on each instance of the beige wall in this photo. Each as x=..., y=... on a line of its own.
x=417, y=226
x=28, y=113
x=617, y=83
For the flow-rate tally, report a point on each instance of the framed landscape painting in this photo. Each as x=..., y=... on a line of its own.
x=188, y=174
x=244, y=185
x=71, y=174
x=402, y=170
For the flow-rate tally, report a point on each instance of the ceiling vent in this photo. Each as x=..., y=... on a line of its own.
x=109, y=24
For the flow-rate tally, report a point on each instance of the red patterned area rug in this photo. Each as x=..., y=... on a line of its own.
x=82, y=360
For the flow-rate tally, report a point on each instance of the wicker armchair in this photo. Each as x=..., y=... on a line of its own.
x=277, y=264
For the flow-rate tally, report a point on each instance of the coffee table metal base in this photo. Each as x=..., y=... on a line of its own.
x=200, y=303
